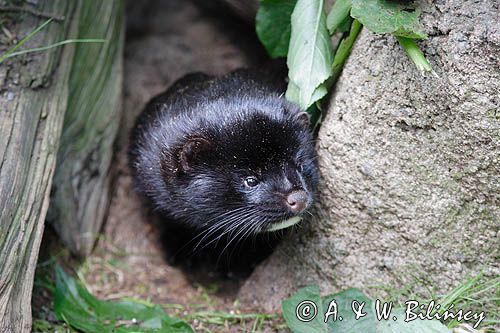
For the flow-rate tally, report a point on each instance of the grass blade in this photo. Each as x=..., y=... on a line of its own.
x=415, y=54
x=61, y=43
x=24, y=40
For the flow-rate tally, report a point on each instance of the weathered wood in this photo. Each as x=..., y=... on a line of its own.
x=37, y=89
x=81, y=187
x=32, y=105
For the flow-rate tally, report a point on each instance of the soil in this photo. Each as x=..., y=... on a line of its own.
x=165, y=40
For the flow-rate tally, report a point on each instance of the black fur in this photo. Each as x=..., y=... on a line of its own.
x=194, y=146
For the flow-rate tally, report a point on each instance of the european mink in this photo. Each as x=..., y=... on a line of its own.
x=225, y=155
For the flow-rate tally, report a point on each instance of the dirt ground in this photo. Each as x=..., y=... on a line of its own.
x=165, y=40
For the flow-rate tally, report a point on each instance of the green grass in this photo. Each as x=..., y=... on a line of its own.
x=476, y=293
x=248, y=322
x=24, y=40
x=204, y=316
x=43, y=326
x=13, y=51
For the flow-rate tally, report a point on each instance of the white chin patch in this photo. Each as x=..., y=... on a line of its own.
x=284, y=224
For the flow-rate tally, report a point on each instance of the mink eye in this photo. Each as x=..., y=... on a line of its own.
x=251, y=181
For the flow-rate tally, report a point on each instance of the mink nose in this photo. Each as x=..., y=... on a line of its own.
x=297, y=201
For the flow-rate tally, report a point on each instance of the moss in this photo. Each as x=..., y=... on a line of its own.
x=493, y=113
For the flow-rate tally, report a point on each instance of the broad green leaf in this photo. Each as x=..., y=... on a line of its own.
x=292, y=91
x=273, y=25
x=400, y=326
x=343, y=50
x=399, y=18
x=310, y=54
x=349, y=324
x=299, y=303
x=338, y=19
x=343, y=320
x=82, y=311
x=319, y=92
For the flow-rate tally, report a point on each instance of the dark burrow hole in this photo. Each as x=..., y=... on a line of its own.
x=202, y=263
x=164, y=41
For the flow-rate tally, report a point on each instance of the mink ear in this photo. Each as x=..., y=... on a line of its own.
x=190, y=152
x=303, y=118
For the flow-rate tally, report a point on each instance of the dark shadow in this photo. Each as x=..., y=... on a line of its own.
x=206, y=260
x=241, y=33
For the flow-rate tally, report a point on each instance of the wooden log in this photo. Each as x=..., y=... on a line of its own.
x=32, y=112
x=81, y=191
x=36, y=90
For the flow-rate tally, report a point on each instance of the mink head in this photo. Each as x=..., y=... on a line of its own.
x=238, y=168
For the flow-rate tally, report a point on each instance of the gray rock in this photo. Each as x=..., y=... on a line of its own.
x=410, y=165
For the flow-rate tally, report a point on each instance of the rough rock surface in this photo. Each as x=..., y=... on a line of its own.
x=410, y=165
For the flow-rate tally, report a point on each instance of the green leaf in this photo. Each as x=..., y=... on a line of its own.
x=399, y=18
x=310, y=55
x=338, y=19
x=82, y=311
x=400, y=326
x=345, y=320
x=307, y=296
x=341, y=54
x=273, y=25
x=349, y=324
